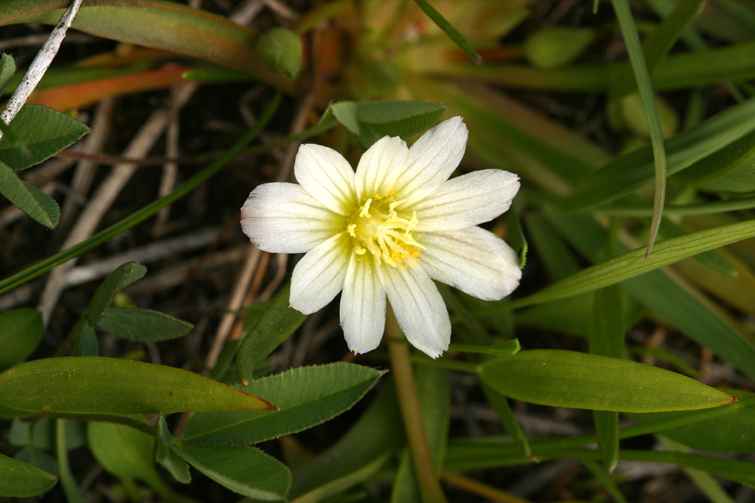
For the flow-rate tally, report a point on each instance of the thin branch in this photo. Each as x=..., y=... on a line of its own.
x=40, y=64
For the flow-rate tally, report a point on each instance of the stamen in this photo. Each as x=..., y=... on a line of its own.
x=351, y=228
x=365, y=213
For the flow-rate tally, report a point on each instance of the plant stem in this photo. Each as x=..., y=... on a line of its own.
x=406, y=388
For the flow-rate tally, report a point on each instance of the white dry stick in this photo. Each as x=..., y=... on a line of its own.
x=40, y=64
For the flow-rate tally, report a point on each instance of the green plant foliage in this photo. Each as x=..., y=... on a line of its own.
x=115, y=386
x=730, y=433
x=167, y=457
x=142, y=325
x=21, y=480
x=20, y=333
x=275, y=325
x=447, y=27
x=244, y=470
x=557, y=47
x=305, y=397
x=7, y=69
x=123, y=451
x=585, y=381
x=280, y=50
x=120, y=278
x=28, y=198
x=45, y=132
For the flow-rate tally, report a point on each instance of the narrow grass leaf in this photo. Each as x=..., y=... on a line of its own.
x=733, y=432
x=341, y=484
x=28, y=199
x=607, y=339
x=142, y=325
x=634, y=170
x=706, y=483
x=96, y=385
x=305, y=397
x=674, y=302
x=244, y=470
x=637, y=59
x=22, y=480
x=606, y=481
x=657, y=45
x=452, y=32
x=160, y=25
x=20, y=333
x=45, y=132
x=585, y=381
x=500, y=405
x=634, y=263
x=508, y=348
x=376, y=434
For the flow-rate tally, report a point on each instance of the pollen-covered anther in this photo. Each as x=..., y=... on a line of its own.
x=382, y=231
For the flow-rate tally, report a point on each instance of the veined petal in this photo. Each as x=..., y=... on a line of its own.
x=419, y=308
x=431, y=160
x=473, y=260
x=380, y=165
x=284, y=218
x=467, y=200
x=362, y=305
x=319, y=275
x=327, y=176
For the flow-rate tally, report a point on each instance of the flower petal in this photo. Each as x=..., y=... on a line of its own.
x=284, y=218
x=362, y=305
x=467, y=200
x=327, y=176
x=319, y=275
x=419, y=308
x=380, y=165
x=473, y=260
x=431, y=160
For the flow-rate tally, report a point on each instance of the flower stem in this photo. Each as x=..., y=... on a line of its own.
x=406, y=388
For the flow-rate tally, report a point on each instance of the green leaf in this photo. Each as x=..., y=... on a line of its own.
x=730, y=170
x=156, y=24
x=733, y=432
x=20, y=333
x=7, y=69
x=500, y=405
x=143, y=325
x=21, y=480
x=28, y=199
x=103, y=297
x=634, y=170
x=508, y=348
x=341, y=484
x=557, y=47
x=275, y=325
x=637, y=59
x=345, y=112
x=399, y=118
x=679, y=306
x=44, y=131
x=167, y=457
x=305, y=397
x=607, y=339
x=123, y=451
x=434, y=393
x=452, y=32
x=377, y=433
x=244, y=470
x=585, y=381
x=217, y=75
x=280, y=50
x=634, y=263
x=96, y=385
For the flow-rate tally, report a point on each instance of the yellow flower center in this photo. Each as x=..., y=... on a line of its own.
x=377, y=227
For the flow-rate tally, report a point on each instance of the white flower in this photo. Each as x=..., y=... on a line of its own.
x=386, y=230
